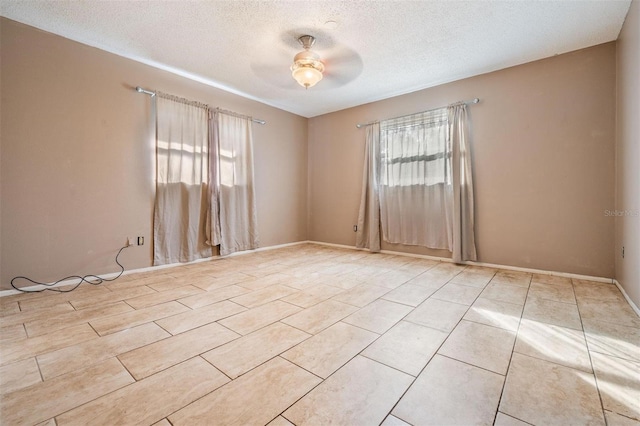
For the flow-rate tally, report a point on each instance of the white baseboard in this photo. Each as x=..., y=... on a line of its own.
x=152, y=268
x=626, y=296
x=543, y=272
x=241, y=253
x=486, y=265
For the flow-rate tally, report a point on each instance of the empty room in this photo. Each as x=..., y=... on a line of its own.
x=320, y=213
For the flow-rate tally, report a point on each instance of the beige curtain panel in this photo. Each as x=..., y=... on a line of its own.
x=464, y=243
x=232, y=222
x=368, y=225
x=182, y=170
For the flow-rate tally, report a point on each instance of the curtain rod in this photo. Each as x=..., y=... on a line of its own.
x=223, y=111
x=468, y=102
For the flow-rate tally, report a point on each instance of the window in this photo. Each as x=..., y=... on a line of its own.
x=413, y=151
x=416, y=195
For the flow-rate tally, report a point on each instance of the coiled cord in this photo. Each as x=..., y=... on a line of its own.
x=96, y=280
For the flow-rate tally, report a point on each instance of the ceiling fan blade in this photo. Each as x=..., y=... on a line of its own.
x=343, y=66
x=275, y=75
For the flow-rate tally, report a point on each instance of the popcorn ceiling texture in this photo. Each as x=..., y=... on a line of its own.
x=379, y=49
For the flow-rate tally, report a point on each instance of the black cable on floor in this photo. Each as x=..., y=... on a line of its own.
x=96, y=280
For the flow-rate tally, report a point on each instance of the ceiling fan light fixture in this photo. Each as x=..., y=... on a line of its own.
x=307, y=68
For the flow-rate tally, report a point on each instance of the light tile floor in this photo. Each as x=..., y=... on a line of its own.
x=313, y=335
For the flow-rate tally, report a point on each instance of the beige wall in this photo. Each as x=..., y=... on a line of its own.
x=77, y=157
x=628, y=155
x=543, y=152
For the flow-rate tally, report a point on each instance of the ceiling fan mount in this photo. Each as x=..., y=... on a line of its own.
x=307, y=41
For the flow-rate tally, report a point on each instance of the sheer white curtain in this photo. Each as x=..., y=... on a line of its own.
x=368, y=228
x=182, y=166
x=232, y=221
x=416, y=193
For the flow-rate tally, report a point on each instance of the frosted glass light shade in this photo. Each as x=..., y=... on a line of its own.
x=306, y=76
x=307, y=69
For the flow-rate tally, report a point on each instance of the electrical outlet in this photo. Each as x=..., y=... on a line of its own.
x=623, y=252
x=129, y=241
x=140, y=241
x=355, y=228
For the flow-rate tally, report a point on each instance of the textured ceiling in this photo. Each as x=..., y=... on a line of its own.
x=378, y=50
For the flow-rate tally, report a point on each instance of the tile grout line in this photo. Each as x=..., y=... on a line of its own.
x=504, y=384
x=35, y=358
x=391, y=367
x=552, y=362
x=510, y=415
x=472, y=365
x=211, y=364
x=297, y=365
x=100, y=396
x=593, y=369
x=94, y=330
x=489, y=325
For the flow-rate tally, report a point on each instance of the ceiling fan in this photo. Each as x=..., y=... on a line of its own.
x=323, y=62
